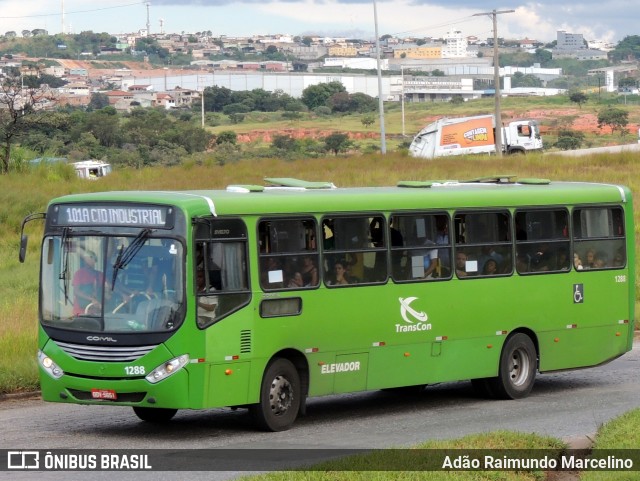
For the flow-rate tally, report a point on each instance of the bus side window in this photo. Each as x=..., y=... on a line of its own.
x=599, y=238
x=485, y=239
x=358, y=244
x=420, y=247
x=288, y=254
x=220, y=269
x=542, y=240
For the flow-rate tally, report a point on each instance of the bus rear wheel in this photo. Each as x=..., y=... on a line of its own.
x=155, y=415
x=518, y=365
x=279, y=397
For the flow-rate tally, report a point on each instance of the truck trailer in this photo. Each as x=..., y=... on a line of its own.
x=474, y=135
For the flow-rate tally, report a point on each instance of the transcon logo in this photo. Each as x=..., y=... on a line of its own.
x=417, y=321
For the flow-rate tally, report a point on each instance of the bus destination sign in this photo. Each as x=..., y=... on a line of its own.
x=151, y=216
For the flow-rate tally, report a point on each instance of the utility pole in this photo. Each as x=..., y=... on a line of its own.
x=402, y=96
x=148, y=23
x=383, y=140
x=496, y=76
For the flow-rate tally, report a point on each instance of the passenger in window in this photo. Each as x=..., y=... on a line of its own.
x=542, y=259
x=87, y=284
x=489, y=252
x=296, y=281
x=271, y=274
x=442, y=238
x=490, y=268
x=618, y=259
x=207, y=303
x=563, y=260
x=340, y=275
x=590, y=259
x=356, y=265
x=430, y=263
x=522, y=263
x=309, y=272
x=377, y=237
x=600, y=261
x=461, y=264
x=577, y=262
x=396, y=237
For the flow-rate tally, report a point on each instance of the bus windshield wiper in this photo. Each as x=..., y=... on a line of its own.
x=126, y=255
x=64, y=272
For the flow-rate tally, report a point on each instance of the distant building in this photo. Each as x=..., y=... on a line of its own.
x=573, y=45
x=455, y=45
x=413, y=51
x=570, y=41
x=342, y=51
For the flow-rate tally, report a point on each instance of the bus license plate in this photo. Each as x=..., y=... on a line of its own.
x=104, y=394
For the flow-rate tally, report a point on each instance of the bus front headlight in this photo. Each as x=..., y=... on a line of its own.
x=167, y=369
x=49, y=366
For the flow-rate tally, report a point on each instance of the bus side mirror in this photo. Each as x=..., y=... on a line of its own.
x=23, y=236
x=23, y=247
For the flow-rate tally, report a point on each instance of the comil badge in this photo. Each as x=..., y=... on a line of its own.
x=414, y=320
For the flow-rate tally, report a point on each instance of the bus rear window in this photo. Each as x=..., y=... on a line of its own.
x=598, y=238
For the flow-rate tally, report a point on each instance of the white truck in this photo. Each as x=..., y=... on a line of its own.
x=474, y=135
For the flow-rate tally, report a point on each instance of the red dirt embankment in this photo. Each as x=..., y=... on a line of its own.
x=268, y=134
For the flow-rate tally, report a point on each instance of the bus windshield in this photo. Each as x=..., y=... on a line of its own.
x=103, y=283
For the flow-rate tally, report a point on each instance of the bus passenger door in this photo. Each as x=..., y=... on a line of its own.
x=349, y=371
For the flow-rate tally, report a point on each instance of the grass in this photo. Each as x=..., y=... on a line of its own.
x=359, y=467
x=620, y=433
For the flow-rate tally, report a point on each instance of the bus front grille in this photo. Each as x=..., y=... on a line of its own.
x=104, y=353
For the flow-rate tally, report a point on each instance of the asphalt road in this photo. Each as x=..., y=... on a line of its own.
x=613, y=149
x=563, y=405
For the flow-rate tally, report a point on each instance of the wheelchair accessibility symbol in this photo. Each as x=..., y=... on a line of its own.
x=578, y=293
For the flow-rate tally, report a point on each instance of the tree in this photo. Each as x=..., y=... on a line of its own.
x=578, y=97
x=521, y=80
x=337, y=142
x=627, y=49
x=98, y=101
x=317, y=95
x=18, y=113
x=215, y=98
x=569, y=139
x=368, y=120
x=307, y=41
x=615, y=118
x=227, y=137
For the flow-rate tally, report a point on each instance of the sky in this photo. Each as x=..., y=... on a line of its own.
x=608, y=21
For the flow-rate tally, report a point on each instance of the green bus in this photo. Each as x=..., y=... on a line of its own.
x=261, y=296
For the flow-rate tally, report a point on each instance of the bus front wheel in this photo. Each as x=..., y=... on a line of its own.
x=155, y=415
x=517, y=372
x=279, y=397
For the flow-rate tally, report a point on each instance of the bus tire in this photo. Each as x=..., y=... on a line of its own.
x=155, y=415
x=280, y=397
x=518, y=366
